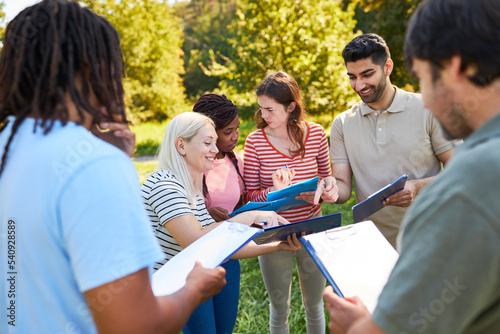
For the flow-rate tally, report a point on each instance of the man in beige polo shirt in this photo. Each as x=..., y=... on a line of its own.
x=387, y=134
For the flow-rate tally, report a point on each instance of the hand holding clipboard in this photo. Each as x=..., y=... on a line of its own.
x=355, y=259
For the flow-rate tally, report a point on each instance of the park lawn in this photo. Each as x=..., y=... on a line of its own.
x=253, y=310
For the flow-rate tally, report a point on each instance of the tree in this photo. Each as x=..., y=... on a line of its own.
x=2, y=23
x=204, y=23
x=151, y=44
x=389, y=19
x=302, y=37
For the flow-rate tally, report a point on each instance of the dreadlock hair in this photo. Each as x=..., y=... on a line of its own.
x=52, y=50
x=222, y=111
x=283, y=88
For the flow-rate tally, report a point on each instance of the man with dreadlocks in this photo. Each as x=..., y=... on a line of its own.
x=76, y=242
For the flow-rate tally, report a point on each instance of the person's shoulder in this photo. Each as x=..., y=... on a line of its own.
x=354, y=111
x=74, y=150
x=412, y=99
x=160, y=176
x=77, y=139
x=256, y=134
x=315, y=128
x=408, y=93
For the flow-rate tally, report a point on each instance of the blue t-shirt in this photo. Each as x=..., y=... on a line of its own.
x=71, y=219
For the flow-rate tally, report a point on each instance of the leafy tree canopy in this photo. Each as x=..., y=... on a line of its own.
x=2, y=23
x=302, y=37
x=204, y=23
x=151, y=44
x=389, y=19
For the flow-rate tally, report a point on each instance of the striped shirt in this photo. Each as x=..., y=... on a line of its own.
x=165, y=199
x=262, y=159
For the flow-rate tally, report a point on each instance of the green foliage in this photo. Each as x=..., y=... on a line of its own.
x=145, y=167
x=304, y=38
x=151, y=40
x=148, y=137
x=389, y=19
x=3, y=24
x=204, y=23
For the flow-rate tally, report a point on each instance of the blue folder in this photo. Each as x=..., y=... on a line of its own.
x=281, y=200
x=293, y=191
x=280, y=233
x=374, y=203
x=260, y=206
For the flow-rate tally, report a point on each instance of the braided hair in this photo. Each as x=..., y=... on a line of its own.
x=222, y=111
x=56, y=49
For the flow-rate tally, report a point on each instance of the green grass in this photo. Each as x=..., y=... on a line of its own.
x=253, y=310
x=145, y=167
x=148, y=137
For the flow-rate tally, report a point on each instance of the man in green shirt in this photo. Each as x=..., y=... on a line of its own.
x=446, y=278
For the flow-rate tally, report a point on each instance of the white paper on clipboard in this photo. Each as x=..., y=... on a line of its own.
x=211, y=250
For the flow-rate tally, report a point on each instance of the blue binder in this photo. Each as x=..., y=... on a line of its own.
x=374, y=203
x=260, y=206
x=280, y=233
x=293, y=191
x=281, y=200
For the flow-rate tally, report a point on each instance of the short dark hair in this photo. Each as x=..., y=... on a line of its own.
x=52, y=48
x=367, y=46
x=440, y=29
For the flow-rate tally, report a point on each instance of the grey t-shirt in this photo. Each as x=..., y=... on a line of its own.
x=447, y=277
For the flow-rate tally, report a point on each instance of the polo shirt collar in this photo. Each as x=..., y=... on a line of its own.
x=397, y=105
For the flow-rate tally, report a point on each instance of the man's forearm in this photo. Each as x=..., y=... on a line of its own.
x=421, y=183
x=344, y=192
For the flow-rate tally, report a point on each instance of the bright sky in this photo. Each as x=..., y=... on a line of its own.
x=13, y=7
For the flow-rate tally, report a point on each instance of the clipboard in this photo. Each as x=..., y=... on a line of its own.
x=260, y=206
x=211, y=250
x=373, y=203
x=291, y=192
x=280, y=233
x=356, y=260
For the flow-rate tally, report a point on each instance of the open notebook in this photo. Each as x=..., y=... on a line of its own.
x=355, y=259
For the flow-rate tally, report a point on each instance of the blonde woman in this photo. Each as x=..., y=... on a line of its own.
x=174, y=201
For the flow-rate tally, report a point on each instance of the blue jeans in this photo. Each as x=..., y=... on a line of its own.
x=218, y=314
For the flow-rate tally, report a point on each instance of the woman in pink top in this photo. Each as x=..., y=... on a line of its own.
x=223, y=189
x=286, y=148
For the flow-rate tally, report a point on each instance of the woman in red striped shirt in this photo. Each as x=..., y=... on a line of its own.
x=287, y=149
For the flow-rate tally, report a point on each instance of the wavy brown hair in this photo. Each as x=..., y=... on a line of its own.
x=53, y=49
x=283, y=88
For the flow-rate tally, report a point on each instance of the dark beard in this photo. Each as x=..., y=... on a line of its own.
x=378, y=92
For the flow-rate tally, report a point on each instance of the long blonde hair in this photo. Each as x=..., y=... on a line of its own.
x=185, y=126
